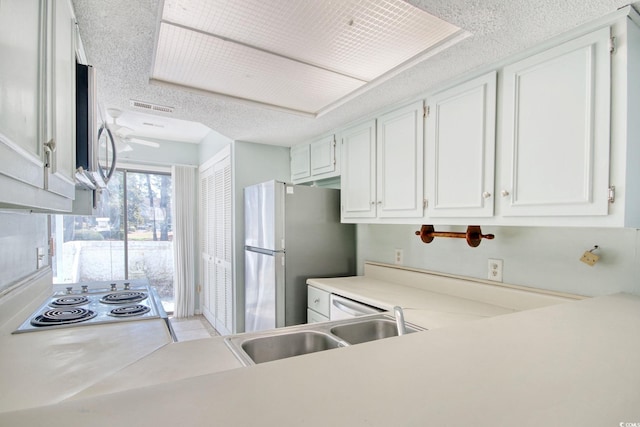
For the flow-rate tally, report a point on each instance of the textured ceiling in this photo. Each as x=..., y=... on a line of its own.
x=119, y=37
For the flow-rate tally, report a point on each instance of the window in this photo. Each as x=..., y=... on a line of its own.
x=115, y=246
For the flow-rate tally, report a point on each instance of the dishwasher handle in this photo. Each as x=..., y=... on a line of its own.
x=353, y=308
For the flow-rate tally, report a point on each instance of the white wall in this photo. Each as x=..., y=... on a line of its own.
x=20, y=235
x=169, y=153
x=541, y=257
x=211, y=145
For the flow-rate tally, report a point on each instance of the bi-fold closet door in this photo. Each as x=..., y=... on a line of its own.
x=216, y=243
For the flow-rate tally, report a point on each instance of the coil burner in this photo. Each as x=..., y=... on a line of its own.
x=58, y=316
x=95, y=303
x=126, y=297
x=129, y=311
x=71, y=301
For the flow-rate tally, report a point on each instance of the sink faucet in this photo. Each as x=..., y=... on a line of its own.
x=399, y=315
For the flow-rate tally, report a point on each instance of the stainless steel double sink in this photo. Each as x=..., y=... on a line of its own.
x=275, y=344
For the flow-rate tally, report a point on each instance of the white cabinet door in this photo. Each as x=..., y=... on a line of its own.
x=61, y=94
x=37, y=87
x=555, y=131
x=300, y=162
x=400, y=151
x=460, y=150
x=21, y=88
x=358, y=183
x=315, y=160
x=323, y=156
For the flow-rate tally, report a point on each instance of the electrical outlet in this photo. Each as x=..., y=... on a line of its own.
x=495, y=270
x=398, y=258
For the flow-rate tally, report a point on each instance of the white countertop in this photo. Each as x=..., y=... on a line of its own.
x=172, y=362
x=425, y=308
x=45, y=367
x=572, y=364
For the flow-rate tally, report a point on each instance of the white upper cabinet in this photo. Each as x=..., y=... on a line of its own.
x=555, y=130
x=323, y=156
x=400, y=151
x=300, y=162
x=22, y=75
x=460, y=150
x=382, y=177
x=550, y=138
x=37, y=124
x=358, y=181
x=61, y=93
x=316, y=160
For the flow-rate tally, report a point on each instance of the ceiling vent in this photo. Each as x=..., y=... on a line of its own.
x=147, y=106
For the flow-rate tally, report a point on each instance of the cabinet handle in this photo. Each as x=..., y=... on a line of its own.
x=51, y=145
x=379, y=202
x=504, y=193
x=486, y=194
x=49, y=148
x=373, y=203
x=316, y=301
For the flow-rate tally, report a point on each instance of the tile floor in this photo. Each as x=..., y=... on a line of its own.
x=192, y=328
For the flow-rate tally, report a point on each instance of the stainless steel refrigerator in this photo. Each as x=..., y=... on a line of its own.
x=292, y=233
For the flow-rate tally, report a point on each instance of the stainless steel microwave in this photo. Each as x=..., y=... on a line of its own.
x=95, y=146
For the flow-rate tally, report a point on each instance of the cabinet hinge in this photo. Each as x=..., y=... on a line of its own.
x=612, y=45
x=425, y=111
x=334, y=151
x=612, y=194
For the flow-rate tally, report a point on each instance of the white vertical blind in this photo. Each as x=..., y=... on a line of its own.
x=184, y=232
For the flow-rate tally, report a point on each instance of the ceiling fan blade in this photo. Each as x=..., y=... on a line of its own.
x=123, y=131
x=143, y=142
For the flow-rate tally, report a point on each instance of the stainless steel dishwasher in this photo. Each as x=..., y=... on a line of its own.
x=345, y=308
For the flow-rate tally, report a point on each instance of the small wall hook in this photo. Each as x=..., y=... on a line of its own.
x=589, y=257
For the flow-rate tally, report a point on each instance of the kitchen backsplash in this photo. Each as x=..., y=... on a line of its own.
x=21, y=234
x=541, y=257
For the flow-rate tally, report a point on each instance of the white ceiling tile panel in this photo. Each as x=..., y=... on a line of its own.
x=200, y=61
x=362, y=39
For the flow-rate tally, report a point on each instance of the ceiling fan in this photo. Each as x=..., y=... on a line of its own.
x=125, y=135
